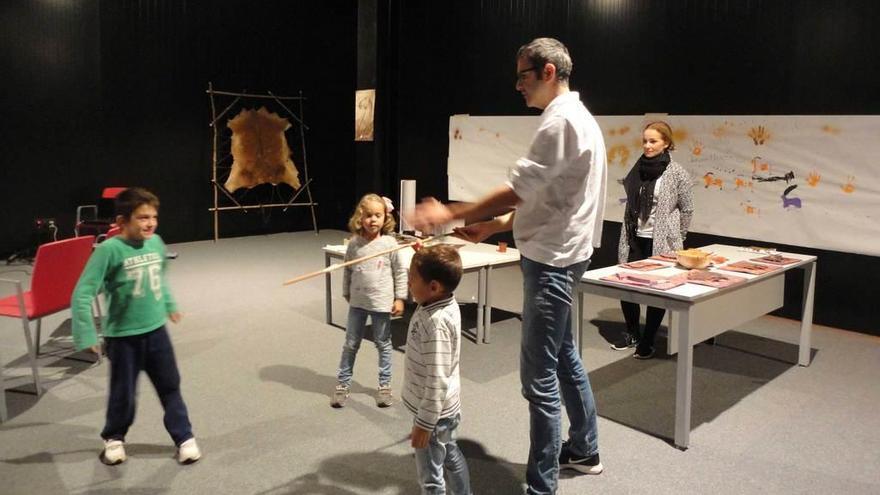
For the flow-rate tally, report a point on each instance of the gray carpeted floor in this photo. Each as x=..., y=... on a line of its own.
x=258, y=363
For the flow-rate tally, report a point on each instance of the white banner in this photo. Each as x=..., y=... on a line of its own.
x=800, y=180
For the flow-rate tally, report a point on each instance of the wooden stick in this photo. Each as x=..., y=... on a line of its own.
x=253, y=95
x=214, y=163
x=360, y=260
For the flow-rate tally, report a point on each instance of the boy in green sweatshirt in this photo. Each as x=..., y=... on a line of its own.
x=130, y=268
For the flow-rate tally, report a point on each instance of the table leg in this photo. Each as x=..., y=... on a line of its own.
x=487, y=314
x=3, y=413
x=683, y=381
x=328, y=291
x=807, y=314
x=481, y=302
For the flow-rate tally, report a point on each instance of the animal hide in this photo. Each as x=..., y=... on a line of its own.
x=260, y=151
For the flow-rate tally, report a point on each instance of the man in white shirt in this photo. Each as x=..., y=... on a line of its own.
x=558, y=192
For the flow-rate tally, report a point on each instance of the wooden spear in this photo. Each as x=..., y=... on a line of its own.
x=337, y=266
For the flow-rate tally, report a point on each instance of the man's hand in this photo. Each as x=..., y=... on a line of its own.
x=420, y=437
x=475, y=232
x=397, y=308
x=480, y=231
x=429, y=214
x=96, y=349
x=175, y=316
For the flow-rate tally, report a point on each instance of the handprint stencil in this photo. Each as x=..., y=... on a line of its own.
x=723, y=130
x=710, y=180
x=742, y=183
x=618, y=152
x=759, y=135
x=749, y=209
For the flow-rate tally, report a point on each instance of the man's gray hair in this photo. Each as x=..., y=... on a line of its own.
x=541, y=51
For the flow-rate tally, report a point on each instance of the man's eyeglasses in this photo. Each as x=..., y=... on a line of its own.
x=521, y=75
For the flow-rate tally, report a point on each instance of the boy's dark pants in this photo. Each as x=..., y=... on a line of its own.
x=151, y=352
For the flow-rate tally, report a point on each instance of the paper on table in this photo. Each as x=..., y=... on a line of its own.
x=712, y=279
x=757, y=249
x=645, y=280
x=643, y=265
x=664, y=257
x=776, y=259
x=748, y=267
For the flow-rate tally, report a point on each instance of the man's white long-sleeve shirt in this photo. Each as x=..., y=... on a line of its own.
x=561, y=186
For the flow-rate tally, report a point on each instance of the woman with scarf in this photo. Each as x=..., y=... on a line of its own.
x=659, y=206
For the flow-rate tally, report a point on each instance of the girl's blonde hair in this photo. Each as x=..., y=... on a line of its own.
x=355, y=222
x=665, y=132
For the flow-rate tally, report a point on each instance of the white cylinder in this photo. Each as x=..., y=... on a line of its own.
x=407, y=204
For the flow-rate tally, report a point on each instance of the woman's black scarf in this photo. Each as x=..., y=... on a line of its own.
x=639, y=185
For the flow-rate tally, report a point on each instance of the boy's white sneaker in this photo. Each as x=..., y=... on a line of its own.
x=188, y=452
x=113, y=453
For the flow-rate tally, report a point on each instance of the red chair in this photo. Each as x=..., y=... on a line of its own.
x=57, y=268
x=114, y=231
x=102, y=216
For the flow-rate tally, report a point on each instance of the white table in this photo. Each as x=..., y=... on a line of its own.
x=699, y=312
x=4, y=415
x=481, y=258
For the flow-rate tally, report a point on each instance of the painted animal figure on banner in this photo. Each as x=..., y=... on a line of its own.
x=260, y=151
x=793, y=202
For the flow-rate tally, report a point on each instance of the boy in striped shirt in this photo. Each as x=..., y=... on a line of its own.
x=432, y=380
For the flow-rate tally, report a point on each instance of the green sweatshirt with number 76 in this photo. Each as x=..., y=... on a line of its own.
x=132, y=276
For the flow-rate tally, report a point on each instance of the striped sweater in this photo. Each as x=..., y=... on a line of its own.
x=432, y=381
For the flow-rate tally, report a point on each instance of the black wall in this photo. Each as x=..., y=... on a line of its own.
x=98, y=93
x=105, y=93
x=633, y=57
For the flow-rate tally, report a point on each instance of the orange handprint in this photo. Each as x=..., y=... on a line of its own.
x=697, y=148
x=849, y=187
x=618, y=151
x=679, y=135
x=813, y=179
x=710, y=180
x=637, y=144
x=722, y=130
x=749, y=209
x=759, y=134
x=742, y=183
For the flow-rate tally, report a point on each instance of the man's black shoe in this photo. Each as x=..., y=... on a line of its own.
x=585, y=465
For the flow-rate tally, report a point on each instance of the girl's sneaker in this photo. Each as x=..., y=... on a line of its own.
x=113, y=453
x=340, y=395
x=188, y=452
x=384, y=397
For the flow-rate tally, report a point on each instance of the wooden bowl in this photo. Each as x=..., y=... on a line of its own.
x=692, y=259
